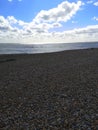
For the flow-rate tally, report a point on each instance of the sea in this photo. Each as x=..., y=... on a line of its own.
x=16, y=48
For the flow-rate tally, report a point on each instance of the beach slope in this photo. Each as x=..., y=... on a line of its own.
x=52, y=91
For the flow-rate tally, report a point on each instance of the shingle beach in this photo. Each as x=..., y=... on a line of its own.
x=51, y=91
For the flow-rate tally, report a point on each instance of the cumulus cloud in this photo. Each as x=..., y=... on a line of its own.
x=6, y=28
x=96, y=3
x=89, y=30
x=3, y=20
x=11, y=20
x=63, y=12
x=39, y=33
x=4, y=24
x=89, y=33
x=42, y=28
x=44, y=21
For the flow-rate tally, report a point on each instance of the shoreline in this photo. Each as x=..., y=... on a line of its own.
x=39, y=53
x=44, y=48
x=55, y=91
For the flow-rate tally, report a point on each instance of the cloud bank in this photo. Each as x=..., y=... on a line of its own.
x=39, y=29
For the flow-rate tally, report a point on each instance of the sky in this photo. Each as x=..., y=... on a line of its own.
x=48, y=21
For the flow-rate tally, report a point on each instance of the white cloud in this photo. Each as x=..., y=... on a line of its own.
x=89, y=30
x=63, y=12
x=89, y=33
x=4, y=24
x=42, y=28
x=6, y=28
x=96, y=3
x=38, y=33
x=11, y=20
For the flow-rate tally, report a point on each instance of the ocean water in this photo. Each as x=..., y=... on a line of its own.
x=11, y=48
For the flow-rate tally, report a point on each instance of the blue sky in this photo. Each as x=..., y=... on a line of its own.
x=45, y=21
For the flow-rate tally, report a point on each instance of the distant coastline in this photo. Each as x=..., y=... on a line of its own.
x=48, y=43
